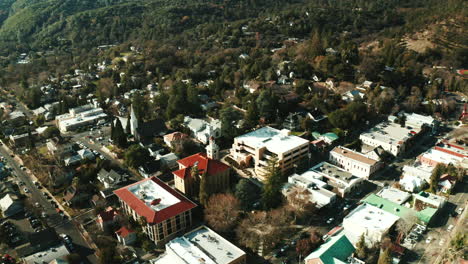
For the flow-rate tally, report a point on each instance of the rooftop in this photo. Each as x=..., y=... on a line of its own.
x=202, y=246
x=394, y=195
x=391, y=133
x=372, y=217
x=154, y=200
x=47, y=256
x=351, y=154
x=336, y=174
x=276, y=141
x=204, y=164
x=399, y=210
x=336, y=250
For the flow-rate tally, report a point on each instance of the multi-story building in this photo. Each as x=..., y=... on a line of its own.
x=446, y=152
x=201, y=246
x=354, y=162
x=266, y=144
x=203, y=165
x=163, y=212
x=394, y=137
x=341, y=181
x=80, y=116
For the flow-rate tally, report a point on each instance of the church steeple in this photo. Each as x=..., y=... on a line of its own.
x=212, y=150
x=133, y=123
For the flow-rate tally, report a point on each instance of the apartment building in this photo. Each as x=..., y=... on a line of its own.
x=354, y=162
x=259, y=147
x=203, y=246
x=165, y=213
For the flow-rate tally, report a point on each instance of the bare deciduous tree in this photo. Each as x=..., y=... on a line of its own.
x=222, y=212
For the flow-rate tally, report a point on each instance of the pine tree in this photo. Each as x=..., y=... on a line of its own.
x=271, y=193
x=251, y=117
x=203, y=194
x=361, y=248
x=119, y=135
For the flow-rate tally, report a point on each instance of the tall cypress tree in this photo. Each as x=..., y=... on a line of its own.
x=204, y=193
x=119, y=135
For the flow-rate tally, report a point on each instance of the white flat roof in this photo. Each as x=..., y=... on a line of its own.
x=390, y=133
x=373, y=218
x=202, y=246
x=442, y=157
x=48, y=255
x=276, y=141
x=394, y=195
x=149, y=191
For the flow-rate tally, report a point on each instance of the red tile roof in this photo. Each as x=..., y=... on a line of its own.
x=124, y=232
x=151, y=215
x=175, y=136
x=205, y=164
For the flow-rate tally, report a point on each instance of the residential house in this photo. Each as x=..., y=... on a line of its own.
x=354, y=162
x=267, y=144
x=201, y=245
x=111, y=179
x=166, y=213
x=107, y=218
x=23, y=140
x=447, y=183
x=203, y=130
x=191, y=169
x=126, y=236
x=292, y=122
x=175, y=139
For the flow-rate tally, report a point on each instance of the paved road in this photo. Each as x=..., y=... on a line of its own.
x=53, y=219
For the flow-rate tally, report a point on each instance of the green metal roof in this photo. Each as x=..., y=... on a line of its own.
x=399, y=210
x=335, y=251
x=331, y=136
x=316, y=134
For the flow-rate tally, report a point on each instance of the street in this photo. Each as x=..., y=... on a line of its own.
x=53, y=219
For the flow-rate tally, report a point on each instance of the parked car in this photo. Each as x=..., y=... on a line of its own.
x=429, y=240
x=330, y=220
x=450, y=228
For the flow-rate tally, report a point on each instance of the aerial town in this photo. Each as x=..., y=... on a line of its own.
x=272, y=138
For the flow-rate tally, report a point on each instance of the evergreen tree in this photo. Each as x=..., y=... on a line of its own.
x=229, y=117
x=246, y=193
x=112, y=136
x=361, y=248
x=128, y=126
x=120, y=137
x=251, y=117
x=204, y=193
x=271, y=193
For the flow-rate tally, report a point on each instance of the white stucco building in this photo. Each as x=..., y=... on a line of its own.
x=354, y=162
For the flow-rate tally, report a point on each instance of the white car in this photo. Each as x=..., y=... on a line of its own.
x=460, y=210
x=449, y=228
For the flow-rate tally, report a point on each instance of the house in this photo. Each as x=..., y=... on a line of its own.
x=168, y=160
x=10, y=205
x=56, y=145
x=341, y=182
x=412, y=183
x=423, y=200
x=166, y=213
x=17, y=117
x=203, y=130
x=81, y=116
x=80, y=156
x=150, y=168
x=191, y=169
x=146, y=131
x=316, y=189
x=447, y=183
x=107, y=218
x=201, y=245
x=354, y=162
x=266, y=144
x=126, y=236
x=335, y=250
x=23, y=139
x=111, y=178
x=370, y=221
x=175, y=139
x=352, y=95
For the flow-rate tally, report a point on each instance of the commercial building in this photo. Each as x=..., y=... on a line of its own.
x=266, y=144
x=394, y=195
x=446, y=152
x=354, y=162
x=310, y=182
x=49, y=255
x=341, y=181
x=166, y=212
x=79, y=117
x=393, y=137
x=337, y=250
x=201, y=246
x=369, y=220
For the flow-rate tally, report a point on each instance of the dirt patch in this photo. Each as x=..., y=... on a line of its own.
x=420, y=41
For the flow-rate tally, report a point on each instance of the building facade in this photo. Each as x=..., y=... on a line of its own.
x=267, y=144
x=354, y=162
x=162, y=211
x=78, y=117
